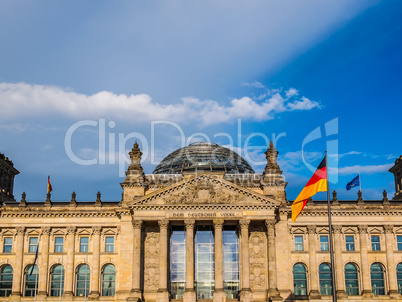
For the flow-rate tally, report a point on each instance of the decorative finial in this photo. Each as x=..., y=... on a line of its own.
x=23, y=202
x=48, y=200
x=98, y=199
x=385, y=200
x=360, y=198
x=272, y=156
x=310, y=201
x=73, y=199
x=334, y=198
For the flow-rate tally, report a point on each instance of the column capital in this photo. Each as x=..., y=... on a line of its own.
x=270, y=223
x=96, y=230
x=137, y=224
x=244, y=223
x=20, y=230
x=363, y=229
x=45, y=230
x=189, y=223
x=163, y=224
x=337, y=229
x=218, y=223
x=311, y=229
x=71, y=230
x=388, y=229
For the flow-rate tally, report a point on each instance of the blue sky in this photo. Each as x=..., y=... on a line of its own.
x=273, y=68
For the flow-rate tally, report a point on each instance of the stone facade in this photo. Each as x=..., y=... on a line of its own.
x=131, y=241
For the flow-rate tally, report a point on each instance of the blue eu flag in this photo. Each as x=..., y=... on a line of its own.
x=354, y=183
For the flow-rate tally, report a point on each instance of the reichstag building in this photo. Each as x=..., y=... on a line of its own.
x=203, y=227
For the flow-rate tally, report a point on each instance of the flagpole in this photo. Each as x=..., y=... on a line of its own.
x=86, y=273
x=36, y=275
x=331, y=245
x=360, y=182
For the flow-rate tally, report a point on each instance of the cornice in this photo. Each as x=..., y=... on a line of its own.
x=354, y=211
x=202, y=207
x=50, y=214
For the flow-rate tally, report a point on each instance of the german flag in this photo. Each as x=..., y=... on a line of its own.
x=49, y=186
x=317, y=183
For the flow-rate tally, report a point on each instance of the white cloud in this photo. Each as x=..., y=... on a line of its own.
x=291, y=92
x=254, y=84
x=24, y=100
x=304, y=104
x=370, y=169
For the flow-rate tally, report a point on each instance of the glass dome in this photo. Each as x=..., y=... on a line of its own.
x=203, y=157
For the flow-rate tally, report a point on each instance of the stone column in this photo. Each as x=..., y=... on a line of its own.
x=365, y=269
x=43, y=262
x=69, y=266
x=393, y=285
x=94, y=283
x=163, y=294
x=339, y=270
x=273, y=292
x=245, y=294
x=135, y=294
x=219, y=292
x=314, y=292
x=17, y=277
x=189, y=293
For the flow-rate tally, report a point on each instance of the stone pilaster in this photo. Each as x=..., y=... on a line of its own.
x=245, y=294
x=163, y=294
x=94, y=286
x=314, y=292
x=365, y=269
x=393, y=285
x=69, y=277
x=273, y=293
x=135, y=294
x=17, y=277
x=339, y=271
x=219, y=293
x=189, y=293
x=44, y=262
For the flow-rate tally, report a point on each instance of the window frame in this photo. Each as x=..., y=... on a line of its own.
x=32, y=247
x=35, y=279
x=322, y=280
x=399, y=242
x=112, y=281
x=109, y=244
x=63, y=276
x=7, y=290
x=299, y=244
x=305, y=280
x=323, y=244
x=86, y=280
x=58, y=244
x=384, y=287
x=374, y=245
x=356, y=273
x=7, y=245
x=82, y=250
x=350, y=246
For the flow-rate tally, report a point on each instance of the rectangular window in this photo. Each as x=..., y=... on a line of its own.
x=375, y=243
x=109, y=244
x=33, y=244
x=399, y=242
x=8, y=245
x=84, y=244
x=58, y=244
x=350, y=242
x=298, y=243
x=324, y=243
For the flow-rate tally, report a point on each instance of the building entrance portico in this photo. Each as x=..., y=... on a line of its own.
x=205, y=239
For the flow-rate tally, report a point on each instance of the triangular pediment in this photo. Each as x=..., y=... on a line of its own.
x=204, y=189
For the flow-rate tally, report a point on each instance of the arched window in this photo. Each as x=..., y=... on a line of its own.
x=377, y=279
x=83, y=278
x=399, y=277
x=57, y=280
x=351, y=279
x=324, y=272
x=31, y=280
x=300, y=279
x=6, y=280
x=108, y=280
